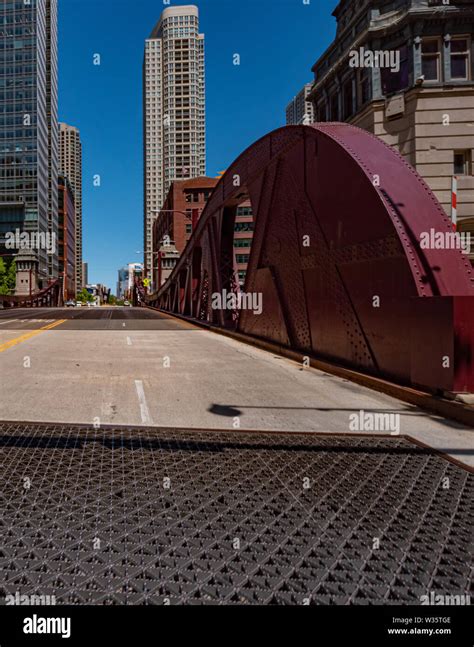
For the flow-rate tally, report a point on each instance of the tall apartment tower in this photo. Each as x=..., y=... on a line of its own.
x=300, y=110
x=173, y=111
x=28, y=135
x=85, y=274
x=70, y=164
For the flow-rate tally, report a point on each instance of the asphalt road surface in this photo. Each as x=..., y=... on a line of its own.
x=131, y=366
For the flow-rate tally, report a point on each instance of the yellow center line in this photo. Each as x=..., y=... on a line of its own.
x=33, y=333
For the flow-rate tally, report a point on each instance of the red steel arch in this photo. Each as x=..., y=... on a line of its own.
x=336, y=256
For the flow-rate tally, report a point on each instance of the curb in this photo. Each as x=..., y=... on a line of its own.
x=451, y=409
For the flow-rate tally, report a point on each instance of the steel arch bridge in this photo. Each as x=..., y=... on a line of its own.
x=336, y=256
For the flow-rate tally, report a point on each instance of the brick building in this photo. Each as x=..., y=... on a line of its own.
x=175, y=217
x=243, y=238
x=174, y=226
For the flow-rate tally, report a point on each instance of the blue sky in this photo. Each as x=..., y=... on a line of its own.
x=278, y=41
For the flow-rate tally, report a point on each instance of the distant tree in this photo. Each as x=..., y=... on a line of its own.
x=85, y=297
x=7, y=277
x=112, y=300
x=3, y=276
x=11, y=277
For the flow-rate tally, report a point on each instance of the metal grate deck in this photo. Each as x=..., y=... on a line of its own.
x=157, y=516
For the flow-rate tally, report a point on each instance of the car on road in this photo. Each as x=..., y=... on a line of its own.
x=127, y=304
x=78, y=304
x=70, y=304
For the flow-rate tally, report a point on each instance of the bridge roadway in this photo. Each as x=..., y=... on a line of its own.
x=137, y=367
x=140, y=512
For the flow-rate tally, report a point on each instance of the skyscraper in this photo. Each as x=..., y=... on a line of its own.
x=67, y=237
x=300, y=110
x=52, y=119
x=28, y=134
x=85, y=274
x=173, y=110
x=70, y=164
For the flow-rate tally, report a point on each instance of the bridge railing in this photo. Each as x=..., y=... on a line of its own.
x=49, y=297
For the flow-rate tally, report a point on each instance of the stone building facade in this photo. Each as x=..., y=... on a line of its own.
x=403, y=70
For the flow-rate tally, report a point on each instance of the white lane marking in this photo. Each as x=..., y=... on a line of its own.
x=145, y=414
x=129, y=341
x=27, y=321
x=36, y=320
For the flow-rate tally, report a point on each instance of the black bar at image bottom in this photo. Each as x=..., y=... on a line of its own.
x=385, y=625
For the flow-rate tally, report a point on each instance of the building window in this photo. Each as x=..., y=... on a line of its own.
x=395, y=81
x=321, y=112
x=244, y=211
x=242, y=242
x=347, y=99
x=462, y=162
x=460, y=58
x=189, y=229
x=242, y=258
x=334, y=106
x=431, y=59
x=365, y=85
x=243, y=226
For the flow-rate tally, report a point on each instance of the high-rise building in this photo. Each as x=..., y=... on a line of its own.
x=67, y=237
x=127, y=277
x=300, y=110
x=52, y=120
x=85, y=275
x=122, y=283
x=28, y=136
x=70, y=164
x=173, y=110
